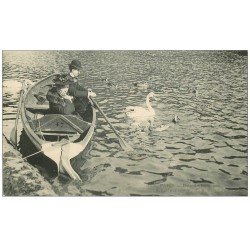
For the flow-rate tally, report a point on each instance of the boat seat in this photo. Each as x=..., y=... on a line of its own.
x=41, y=110
x=56, y=124
x=41, y=98
x=56, y=134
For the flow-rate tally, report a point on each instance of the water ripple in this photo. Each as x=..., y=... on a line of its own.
x=206, y=89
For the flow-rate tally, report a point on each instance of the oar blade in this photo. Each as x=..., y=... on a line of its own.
x=124, y=145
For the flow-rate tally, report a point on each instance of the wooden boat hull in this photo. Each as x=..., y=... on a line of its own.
x=59, y=137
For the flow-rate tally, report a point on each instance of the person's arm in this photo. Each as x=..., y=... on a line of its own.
x=68, y=108
x=52, y=97
x=77, y=91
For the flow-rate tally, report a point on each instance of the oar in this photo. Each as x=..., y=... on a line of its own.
x=123, y=144
x=13, y=134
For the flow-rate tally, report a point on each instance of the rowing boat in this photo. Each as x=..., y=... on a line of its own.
x=59, y=137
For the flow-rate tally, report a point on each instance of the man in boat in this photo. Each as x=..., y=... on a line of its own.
x=59, y=100
x=78, y=91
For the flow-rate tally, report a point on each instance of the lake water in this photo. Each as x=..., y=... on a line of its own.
x=204, y=153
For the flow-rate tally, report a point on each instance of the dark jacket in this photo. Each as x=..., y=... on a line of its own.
x=58, y=104
x=80, y=94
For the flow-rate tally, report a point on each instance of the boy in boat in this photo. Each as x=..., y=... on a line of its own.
x=59, y=100
x=79, y=92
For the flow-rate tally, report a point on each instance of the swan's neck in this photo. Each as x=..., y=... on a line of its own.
x=149, y=105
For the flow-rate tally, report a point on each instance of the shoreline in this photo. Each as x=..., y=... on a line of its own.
x=20, y=178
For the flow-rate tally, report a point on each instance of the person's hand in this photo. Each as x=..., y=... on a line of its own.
x=91, y=93
x=68, y=97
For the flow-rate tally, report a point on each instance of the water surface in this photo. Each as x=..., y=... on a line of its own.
x=205, y=153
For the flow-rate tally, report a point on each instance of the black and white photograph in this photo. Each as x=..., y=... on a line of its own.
x=125, y=123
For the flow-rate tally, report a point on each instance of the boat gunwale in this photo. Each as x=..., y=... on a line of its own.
x=34, y=137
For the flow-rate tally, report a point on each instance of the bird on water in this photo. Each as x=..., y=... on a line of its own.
x=175, y=119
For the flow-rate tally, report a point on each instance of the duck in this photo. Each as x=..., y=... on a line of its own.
x=141, y=85
x=175, y=119
x=195, y=92
x=195, y=89
x=136, y=112
x=161, y=128
x=28, y=82
x=110, y=84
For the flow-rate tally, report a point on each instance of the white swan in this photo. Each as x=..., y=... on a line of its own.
x=140, y=113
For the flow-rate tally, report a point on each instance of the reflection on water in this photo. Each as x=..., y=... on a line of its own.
x=204, y=153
